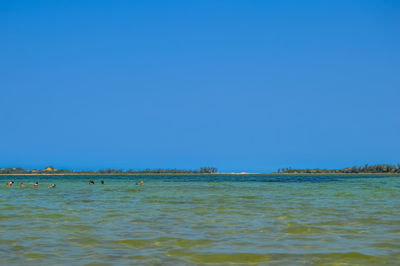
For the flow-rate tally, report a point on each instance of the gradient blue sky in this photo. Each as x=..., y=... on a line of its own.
x=239, y=85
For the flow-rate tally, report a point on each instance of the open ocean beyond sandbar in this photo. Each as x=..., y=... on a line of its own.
x=244, y=219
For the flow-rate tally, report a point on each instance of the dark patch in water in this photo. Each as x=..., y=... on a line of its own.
x=320, y=178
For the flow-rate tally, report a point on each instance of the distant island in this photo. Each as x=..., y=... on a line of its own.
x=52, y=170
x=366, y=169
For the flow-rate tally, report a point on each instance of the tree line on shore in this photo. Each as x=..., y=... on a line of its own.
x=373, y=169
x=52, y=170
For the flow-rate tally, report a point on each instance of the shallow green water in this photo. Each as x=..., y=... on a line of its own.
x=261, y=220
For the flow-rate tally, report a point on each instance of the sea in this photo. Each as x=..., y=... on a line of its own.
x=201, y=220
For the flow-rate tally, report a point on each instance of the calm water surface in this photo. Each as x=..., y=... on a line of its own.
x=189, y=220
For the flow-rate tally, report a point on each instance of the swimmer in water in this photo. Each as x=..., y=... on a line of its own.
x=141, y=182
x=22, y=184
x=102, y=182
x=52, y=186
x=91, y=182
x=36, y=184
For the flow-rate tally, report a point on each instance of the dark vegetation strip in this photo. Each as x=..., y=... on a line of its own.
x=366, y=169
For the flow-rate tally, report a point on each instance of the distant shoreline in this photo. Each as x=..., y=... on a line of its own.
x=183, y=174
x=378, y=169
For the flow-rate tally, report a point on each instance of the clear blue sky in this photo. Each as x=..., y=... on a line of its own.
x=239, y=85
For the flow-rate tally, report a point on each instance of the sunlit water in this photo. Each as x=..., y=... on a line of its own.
x=259, y=219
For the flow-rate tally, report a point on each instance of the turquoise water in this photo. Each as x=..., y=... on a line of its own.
x=175, y=220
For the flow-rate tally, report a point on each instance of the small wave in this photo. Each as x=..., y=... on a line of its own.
x=304, y=230
x=225, y=258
